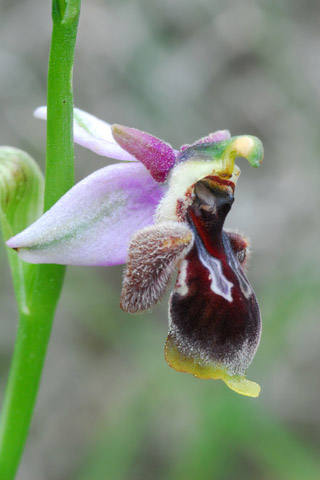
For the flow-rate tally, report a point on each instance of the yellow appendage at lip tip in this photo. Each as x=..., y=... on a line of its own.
x=181, y=363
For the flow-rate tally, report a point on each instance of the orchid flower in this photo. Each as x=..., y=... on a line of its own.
x=162, y=210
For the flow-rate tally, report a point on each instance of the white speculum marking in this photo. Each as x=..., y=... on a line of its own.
x=219, y=284
x=182, y=287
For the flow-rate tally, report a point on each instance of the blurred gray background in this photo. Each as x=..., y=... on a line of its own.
x=109, y=407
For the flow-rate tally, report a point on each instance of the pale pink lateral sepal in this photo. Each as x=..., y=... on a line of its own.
x=155, y=154
x=92, y=133
x=94, y=221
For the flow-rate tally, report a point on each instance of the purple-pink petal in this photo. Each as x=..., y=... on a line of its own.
x=93, y=133
x=217, y=136
x=155, y=154
x=94, y=221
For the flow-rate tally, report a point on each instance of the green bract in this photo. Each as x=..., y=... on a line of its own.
x=21, y=202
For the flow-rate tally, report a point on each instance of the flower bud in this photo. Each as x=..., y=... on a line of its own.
x=21, y=191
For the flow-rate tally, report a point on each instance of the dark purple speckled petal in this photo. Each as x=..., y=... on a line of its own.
x=155, y=154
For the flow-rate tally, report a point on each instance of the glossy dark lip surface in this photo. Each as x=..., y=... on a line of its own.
x=219, y=315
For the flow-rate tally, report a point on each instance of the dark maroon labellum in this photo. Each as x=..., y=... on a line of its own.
x=214, y=312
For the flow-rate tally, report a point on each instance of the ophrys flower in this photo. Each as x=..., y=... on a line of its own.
x=163, y=211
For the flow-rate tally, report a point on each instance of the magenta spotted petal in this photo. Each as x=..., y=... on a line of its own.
x=217, y=136
x=155, y=154
x=92, y=133
x=94, y=221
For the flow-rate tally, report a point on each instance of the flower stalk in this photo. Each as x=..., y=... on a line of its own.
x=43, y=283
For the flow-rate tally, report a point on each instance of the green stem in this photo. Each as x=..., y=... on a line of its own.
x=43, y=285
x=21, y=392
x=60, y=150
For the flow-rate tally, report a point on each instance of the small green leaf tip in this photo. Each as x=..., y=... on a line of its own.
x=21, y=191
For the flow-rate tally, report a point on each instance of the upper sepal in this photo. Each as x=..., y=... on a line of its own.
x=93, y=222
